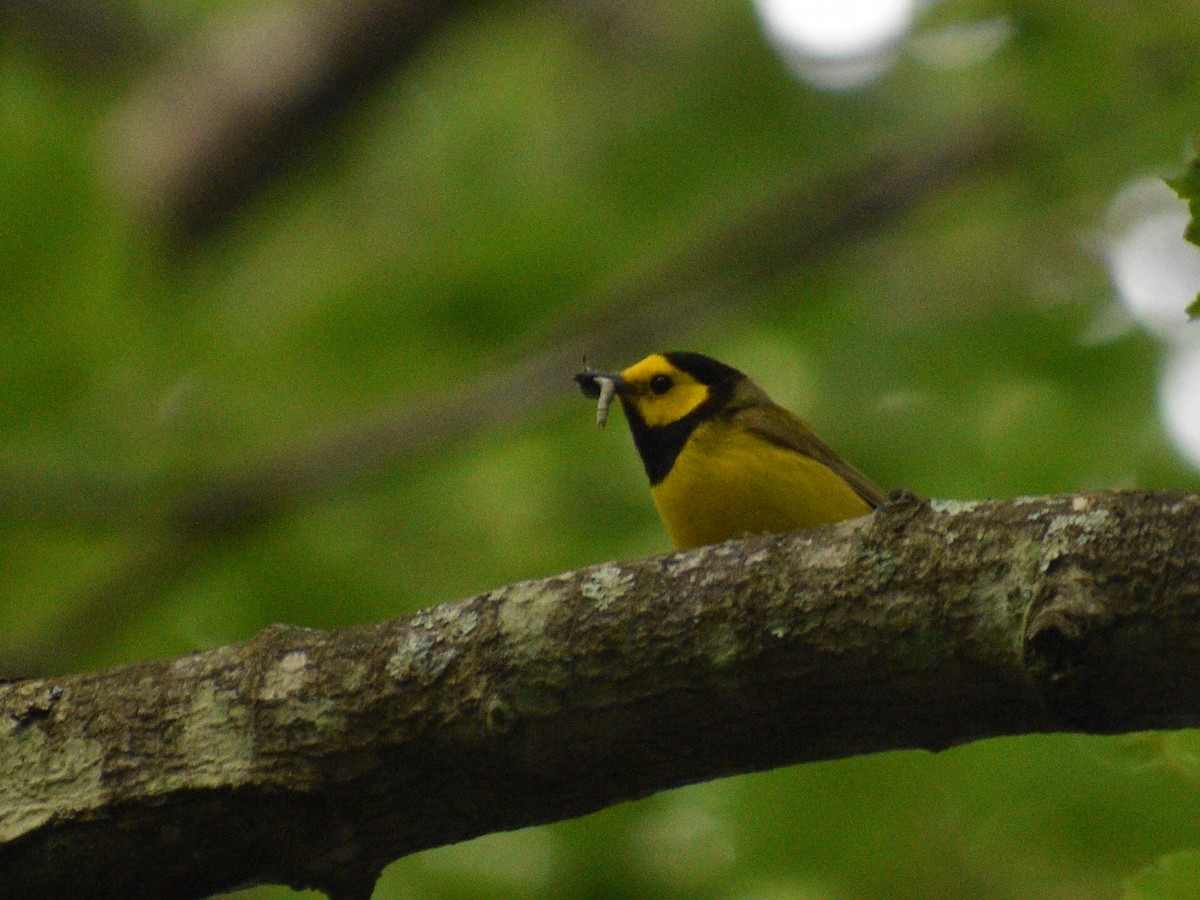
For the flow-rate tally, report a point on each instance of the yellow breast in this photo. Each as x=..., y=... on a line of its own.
x=727, y=481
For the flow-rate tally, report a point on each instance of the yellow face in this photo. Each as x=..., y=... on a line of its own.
x=660, y=392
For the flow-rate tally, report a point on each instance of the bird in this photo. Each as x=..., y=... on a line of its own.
x=722, y=458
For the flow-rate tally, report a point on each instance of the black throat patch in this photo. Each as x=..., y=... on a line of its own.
x=659, y=446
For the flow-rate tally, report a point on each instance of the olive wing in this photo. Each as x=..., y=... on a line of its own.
x=783, y=428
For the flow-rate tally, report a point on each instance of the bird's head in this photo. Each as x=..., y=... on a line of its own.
x=663, y=388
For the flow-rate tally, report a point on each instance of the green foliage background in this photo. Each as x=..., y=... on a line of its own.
x=479, y=196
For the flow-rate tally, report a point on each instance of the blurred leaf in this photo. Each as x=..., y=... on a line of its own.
x=1175, y=752
x=1187, y=186
x=1175, y=876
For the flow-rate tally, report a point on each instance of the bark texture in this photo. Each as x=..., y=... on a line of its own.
x=315, y=758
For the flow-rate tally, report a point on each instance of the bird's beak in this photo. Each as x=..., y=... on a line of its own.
x=591, y=383
x=601, y=387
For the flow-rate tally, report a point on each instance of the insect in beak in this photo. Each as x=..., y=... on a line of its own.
x=600, y=386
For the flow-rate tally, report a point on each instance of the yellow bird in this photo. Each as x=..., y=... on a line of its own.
x=722, y=458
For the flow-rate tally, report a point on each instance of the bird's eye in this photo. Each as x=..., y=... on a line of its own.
x=660, y=384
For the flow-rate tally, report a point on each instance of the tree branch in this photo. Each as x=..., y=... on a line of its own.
x=315, y=758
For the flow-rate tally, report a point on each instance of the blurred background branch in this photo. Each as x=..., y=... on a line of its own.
x=248, y=93
x=88, y=35
x=711, y=276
